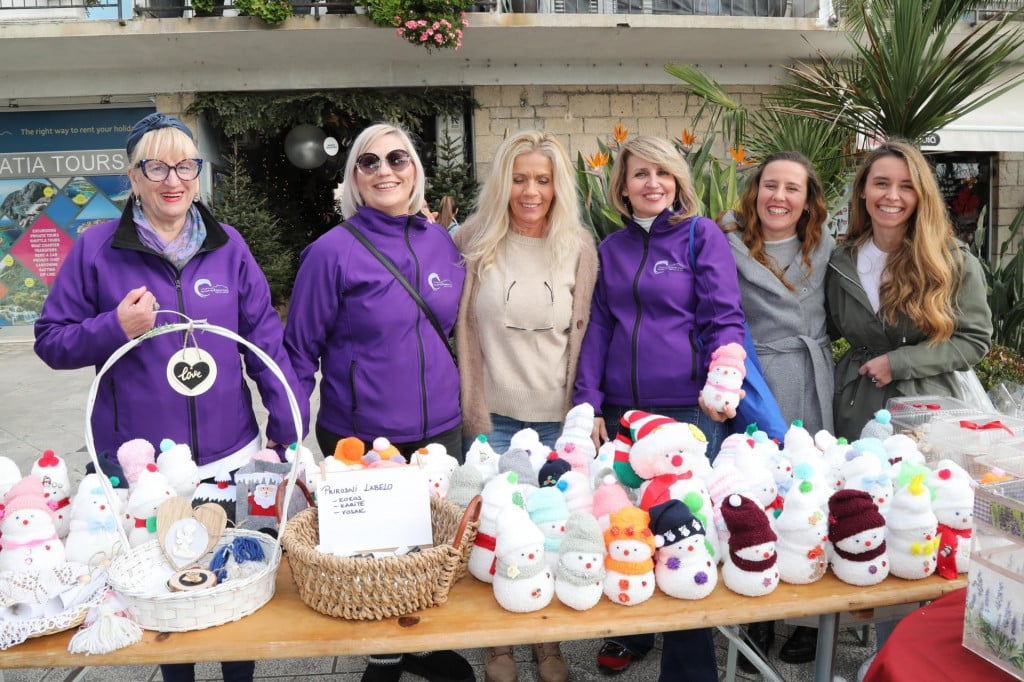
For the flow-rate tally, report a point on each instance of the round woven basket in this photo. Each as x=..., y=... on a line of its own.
x=131, y=569
x=361, y=588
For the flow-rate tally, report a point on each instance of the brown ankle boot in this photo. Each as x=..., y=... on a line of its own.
x=499, y=665
x=550, y=664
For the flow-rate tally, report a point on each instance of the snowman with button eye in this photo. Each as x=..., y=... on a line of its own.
x=629, y=564
x=522, y=580
x=683, y=566
x=954, y=509
x=29, y=539
x=856, y=531
x=750, y=567
x=579, y=580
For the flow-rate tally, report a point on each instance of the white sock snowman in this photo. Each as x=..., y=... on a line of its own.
x=579, y=580
x=523, y=583
x=856, y=531
x=93, y=528
x=751, y=564
x=498, y=493
x=866, y=472
x=575, y=445
x=912, y=532
x=149, y=491
x=547, y=509
x=629, y=563
x=52, y=472
x=579, y=496
x=176, y=463
x=683, y=566
x=28, y=537
x=954, y=509
x=802, y=528
x=482, y=456
x=437, y=465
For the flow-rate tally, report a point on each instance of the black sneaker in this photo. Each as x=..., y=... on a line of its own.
x=383, y=669
x=439, y=666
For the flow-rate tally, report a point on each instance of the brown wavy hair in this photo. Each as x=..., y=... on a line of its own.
x=924, y=273
x=809, y=227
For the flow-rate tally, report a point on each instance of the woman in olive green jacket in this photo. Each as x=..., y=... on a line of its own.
x=908, y=297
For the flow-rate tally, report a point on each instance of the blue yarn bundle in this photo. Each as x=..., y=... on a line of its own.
x=242, y=550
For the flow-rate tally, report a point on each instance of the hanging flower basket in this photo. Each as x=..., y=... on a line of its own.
x=432, y=24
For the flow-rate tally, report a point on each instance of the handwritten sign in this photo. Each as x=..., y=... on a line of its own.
x=374, y=511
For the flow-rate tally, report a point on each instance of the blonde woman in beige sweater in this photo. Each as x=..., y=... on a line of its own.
x=530, y=273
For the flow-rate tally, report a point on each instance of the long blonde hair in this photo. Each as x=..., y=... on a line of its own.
x=809, y=227
x=924, y=273
x=661, y=153
x=351, y=200
x=490, y=223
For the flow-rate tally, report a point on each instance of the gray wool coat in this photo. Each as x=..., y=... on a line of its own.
x=790, y=332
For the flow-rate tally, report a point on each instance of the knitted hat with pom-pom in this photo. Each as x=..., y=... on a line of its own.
x=747, y=523
x=630, y=523
x=133, y=456
x=879, y=427
x=517, y=460
x=26, y=494
x=547, y=504
x=609, y=497
x=634, y=425
x=465, y=483
x=673, y=522
x=552, y=470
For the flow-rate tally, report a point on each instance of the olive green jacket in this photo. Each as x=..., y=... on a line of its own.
x=918, y=369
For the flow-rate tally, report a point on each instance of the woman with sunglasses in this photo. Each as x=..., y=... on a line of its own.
x=168, y=253
x=385, y=368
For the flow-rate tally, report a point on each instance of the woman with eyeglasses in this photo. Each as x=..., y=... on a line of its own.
x=386, y=369
x=167, y=252
x=531, y=269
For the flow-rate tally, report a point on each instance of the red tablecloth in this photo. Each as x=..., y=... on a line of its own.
x=926, y=645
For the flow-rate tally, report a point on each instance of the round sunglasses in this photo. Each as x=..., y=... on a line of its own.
x=397, y=160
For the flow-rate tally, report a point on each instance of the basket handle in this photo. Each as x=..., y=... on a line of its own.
x=472, y=514
x=199, y=325
x=279, y=510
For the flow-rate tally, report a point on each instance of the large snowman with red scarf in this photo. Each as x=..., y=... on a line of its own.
x=670, y=456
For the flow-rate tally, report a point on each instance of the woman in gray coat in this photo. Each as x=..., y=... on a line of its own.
x=781, y=256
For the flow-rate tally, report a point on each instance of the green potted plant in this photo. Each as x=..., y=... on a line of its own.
x=270, y=11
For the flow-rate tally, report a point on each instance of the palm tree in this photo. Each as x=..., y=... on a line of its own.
x=909, y=75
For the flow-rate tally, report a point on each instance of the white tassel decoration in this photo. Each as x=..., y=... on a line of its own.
x=106, y=631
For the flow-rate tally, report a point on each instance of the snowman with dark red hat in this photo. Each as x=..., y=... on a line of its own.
x=751, y=564
x=856, y=531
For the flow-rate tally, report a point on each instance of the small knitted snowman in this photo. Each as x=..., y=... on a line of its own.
x=437, y=465
x=28, y=538
x=498, y=494
x=667, y=456
x=133, y=456
x=176, y=464
x=865, y=471
x=93, y=528
x=577, y=430
x=523, y=582
x=629, y=563
x=547, y=509
x=911, y=531
x=9, y=474
x=579, y=579
x=799, y=441
x=954, y=509
x=724, y=385
x=856, y=531
x=52, y=472
x=683, y=567
x=518, y=460
x=724, y=480
x=750, y=567
x=802, y=528
x=149, y=491
x=579, y=496
x=760, y=483
x=482, y=456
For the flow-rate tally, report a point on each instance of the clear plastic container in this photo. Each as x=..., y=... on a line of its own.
x=910, y=413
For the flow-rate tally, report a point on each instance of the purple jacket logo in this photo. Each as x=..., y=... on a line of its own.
x=204, y=287
x=664, y=266
x=435, y=282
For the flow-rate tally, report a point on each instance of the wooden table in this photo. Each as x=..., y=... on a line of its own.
x=287, y=628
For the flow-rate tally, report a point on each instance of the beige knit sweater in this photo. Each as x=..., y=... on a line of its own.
x=476, y=415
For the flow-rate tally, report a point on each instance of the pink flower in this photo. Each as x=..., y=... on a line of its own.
x=423, y=38
x=439, y=38
x=437, y=25
x=399, y=32
x=421, y=22
x=465, y=21
x=410, y=24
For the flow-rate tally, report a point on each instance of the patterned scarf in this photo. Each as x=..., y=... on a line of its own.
x=180, y=250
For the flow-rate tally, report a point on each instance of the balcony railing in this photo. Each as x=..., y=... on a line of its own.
x=824, y=10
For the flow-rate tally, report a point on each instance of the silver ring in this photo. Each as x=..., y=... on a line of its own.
x=874, y=381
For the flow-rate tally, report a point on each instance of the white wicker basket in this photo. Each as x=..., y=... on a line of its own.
x=131, y=569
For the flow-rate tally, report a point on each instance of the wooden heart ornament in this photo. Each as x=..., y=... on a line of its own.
x=186, y=534
x=191, y=371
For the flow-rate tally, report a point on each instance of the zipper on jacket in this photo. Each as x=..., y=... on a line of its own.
x=634, y=380
x=355, y=400
x=193, y=420
x=419, y=338
x=693, y=354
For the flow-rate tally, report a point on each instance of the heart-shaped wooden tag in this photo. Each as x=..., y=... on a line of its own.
x=186, y=534
x=191, y=375
x=191, y=371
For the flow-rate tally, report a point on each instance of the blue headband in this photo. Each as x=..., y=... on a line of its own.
x=154, y=121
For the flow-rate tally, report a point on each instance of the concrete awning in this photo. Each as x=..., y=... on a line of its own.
x=996, y=127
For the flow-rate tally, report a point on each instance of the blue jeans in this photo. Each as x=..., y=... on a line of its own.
x=686, y=655
x=714, y=431
x=503, y=428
